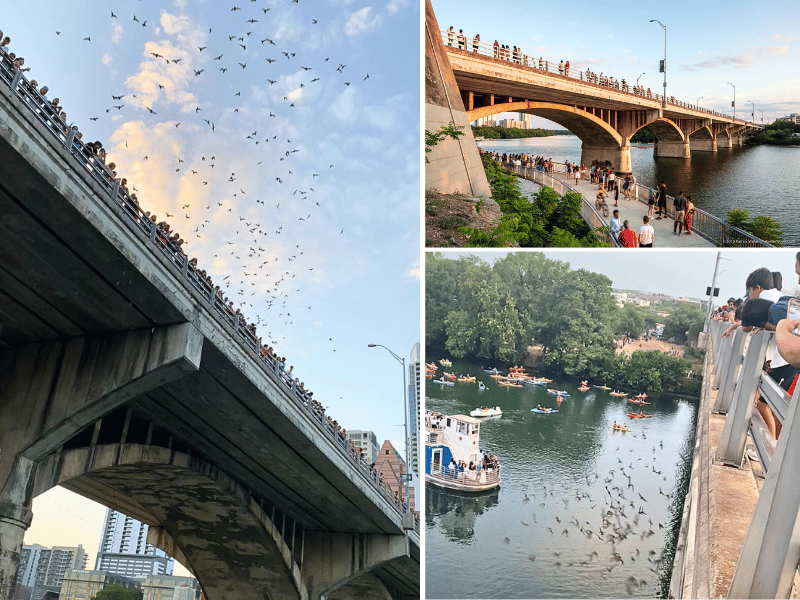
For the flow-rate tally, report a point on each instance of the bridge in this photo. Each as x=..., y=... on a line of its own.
x=739, y=534
x=125, y=378
x=480, y=81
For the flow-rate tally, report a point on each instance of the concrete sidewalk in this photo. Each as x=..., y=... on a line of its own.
x=633, y=210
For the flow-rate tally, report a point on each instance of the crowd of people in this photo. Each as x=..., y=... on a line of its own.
x=765, y=306
x=93, y=156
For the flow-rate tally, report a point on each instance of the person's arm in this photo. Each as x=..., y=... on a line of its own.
x=788, y=343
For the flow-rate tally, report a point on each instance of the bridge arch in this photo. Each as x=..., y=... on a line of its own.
x=196, y=513
x=703, y=139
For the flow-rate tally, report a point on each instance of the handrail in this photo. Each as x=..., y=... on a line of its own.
x=771, y=550
x=470, y=46
x=243, y=333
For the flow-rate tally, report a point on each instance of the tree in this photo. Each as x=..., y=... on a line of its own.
x=630, y=321
x=117, y=592
x=684, y=318
x=432, y=138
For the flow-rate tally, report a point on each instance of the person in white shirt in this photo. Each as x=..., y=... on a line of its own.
x=646, y=233
x=615, y=225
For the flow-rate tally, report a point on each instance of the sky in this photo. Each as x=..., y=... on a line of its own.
x=709, y=44
x=281, y=138
x=677, y=273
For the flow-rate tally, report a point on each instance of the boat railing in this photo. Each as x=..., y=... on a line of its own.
x=771, y=550
x=434, y=437
x=466, y=477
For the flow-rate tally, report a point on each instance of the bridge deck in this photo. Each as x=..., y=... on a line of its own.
x=634, y=210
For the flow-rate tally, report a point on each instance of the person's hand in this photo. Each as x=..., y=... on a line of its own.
x=787, y=342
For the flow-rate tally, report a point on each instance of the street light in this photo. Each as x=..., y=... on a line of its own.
x=402, y=361
x=734, y=99
x=762, y=117
x=638, y=78
x=664, y=103
x=698, y=101
x=753, y=114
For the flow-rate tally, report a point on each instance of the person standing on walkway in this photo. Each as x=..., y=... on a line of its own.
x=577, y=172
x=566, y=68
x=689, y=213
x=476, y=42
x=646, y=233
x=496, y=49
x=679, y=203
x=561, y=68
x=450, y=33
x=462, y=40
x=662, y=200
x=627, y=237
x=610, y=177
x=614, y=225
x=616, y=192
x=651, y=201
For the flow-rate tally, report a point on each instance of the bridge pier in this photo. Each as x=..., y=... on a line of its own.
x=618, y=157
x=704, y=145
x=672, y=149
x=14, y=522
x=724, y=142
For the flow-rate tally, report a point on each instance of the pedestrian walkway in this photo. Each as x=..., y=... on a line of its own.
x=633, y=210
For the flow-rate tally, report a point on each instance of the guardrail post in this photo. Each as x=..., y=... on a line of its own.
x=737, y=422
x=236, y=322
x=772, y=547
x=15, y=80
x=115, y=190
x=70, y=140
x=153, y=231
x=721, y=365
x=735, y=360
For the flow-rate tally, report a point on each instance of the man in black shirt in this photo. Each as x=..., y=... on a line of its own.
x=679, y=203
x=662, y=200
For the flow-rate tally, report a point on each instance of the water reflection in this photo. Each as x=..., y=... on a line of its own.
x=455, y=513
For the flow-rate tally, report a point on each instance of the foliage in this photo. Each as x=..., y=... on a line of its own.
x=643, y=136
x=502, y=236
x=451, y=222
x=649, y=370
x=685, y=318
x=117, y=592
x=630, y=321
x=504, y=133
x=765, y=228
x=778, y=133
x=432, y=138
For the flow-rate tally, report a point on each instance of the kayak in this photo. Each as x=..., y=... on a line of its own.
x=619, y=428
x=486, y=412
x=442, y=382
x=544, y=411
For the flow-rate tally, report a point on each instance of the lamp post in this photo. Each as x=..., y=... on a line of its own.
x=753, y=114
x=637, y=80
x=734, y=99
x=762, y=117
x=698, y=101
x=664, y=103
x=402, y=361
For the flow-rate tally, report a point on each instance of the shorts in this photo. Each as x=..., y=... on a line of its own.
x=650, y=245
x=786, y=372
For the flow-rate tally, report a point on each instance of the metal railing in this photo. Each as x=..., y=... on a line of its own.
x=466, y=477
x=588, y=212
x=712, y=228
x=771, y=550
x=470, y=45
x=115, y=193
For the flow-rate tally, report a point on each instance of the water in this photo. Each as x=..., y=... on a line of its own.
x=761, y=179
x=500, y=545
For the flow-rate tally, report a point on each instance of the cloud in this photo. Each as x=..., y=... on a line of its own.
x=361, y=21
x=344, y=106
x=107, y=58
x=295, y=94
x=395, y=5
x=413, y=272
x=748, y=58
x=778, y=50
x=117, y=33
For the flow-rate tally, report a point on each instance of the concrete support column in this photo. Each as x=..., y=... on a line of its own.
x=333, y=561
x=736, y=140
x=14, y=521
x=723, y=142
x=704, y=145
x=619, y=157
x=672, y=149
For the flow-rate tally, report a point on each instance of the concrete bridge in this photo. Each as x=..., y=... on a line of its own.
x=740, y=533
x=124, y=378
x=481, y=82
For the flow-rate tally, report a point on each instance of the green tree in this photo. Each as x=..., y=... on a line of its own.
x=630, y=321
x=432, y=138
x=681, y=320
x=117, y=592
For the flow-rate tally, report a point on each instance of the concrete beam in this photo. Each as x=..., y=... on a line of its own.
x=619, y=158
x=704, y=145
x=672, y=149
x=49, y=391
x=332, y=560
x=724, y=142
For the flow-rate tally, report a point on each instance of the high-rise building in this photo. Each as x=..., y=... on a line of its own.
x=42, y=569
x=124, y=549
x=412, y=443
x=170, y=588
x=367, y=441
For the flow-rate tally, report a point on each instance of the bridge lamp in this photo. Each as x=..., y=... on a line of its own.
x=753, y=114
x=664, y=102
x=698, y=101
x=638, y=78
x=733, y=104
x=402, y=361
x=762, y=117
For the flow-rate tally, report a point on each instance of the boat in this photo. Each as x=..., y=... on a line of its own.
x=481, y=386
x=456, y=440
x=449, y=375
x=638, y=416
x=617, y=394
x=622, y=428
x=559, y=400
x=640, y=402
x=443, y=382
x=445, y=363
x=491, y=370
x=486, y=412
x=602, y=387
x=544, y=411
x=558, y=392
x=509, y=384
x=466, y=378
x=583, y=389
x=641, y=396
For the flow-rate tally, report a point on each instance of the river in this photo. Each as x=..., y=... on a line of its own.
x=583, y=511
x=760, y=179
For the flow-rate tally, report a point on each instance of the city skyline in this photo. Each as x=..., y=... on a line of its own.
x=621, y=41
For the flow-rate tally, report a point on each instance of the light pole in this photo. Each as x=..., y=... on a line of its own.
x=734, y=99
x=402, y=361
x=762, y=117
x=664, y=103
x=637, y=80
x=698, y=101
x=753, y=114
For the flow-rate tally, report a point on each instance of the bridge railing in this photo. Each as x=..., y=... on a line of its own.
x=771, y=550
x=470, y=45
x=589, y=213
x=84, y=156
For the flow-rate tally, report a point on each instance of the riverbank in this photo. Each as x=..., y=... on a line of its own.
x=446, y=213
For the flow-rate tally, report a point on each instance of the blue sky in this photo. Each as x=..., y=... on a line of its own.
x=311, y=207
x=755, y=47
